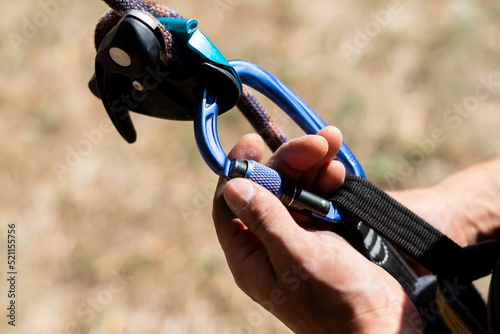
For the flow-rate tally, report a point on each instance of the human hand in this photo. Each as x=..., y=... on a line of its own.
x=313, y=281
x=465, y=206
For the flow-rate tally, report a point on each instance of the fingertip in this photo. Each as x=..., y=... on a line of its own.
x=331, y=178
x=299, y=155
x=333, y=136
x=331, y=131
x=259, y=210
x=310, y=149
x=238, y=193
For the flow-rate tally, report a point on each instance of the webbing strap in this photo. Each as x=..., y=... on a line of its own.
x=450, y=317
x=461, y=308
x=494, y=300
x=403, y=228
x=383, y=254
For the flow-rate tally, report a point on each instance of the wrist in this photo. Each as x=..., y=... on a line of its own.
x=473, y=196
x=437, y=206
x=404, y=320
x=453, y=217
x=385, y=309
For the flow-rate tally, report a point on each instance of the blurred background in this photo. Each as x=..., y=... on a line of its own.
x=118, y=238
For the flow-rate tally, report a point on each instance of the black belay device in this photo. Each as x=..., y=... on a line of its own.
x=152, y=61
x=132, y=73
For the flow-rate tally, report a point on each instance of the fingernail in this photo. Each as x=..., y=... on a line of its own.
x=239, y=194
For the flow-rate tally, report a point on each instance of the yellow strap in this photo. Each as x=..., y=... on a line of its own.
x=452, y=320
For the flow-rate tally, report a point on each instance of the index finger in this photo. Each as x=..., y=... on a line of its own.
x=299, y=155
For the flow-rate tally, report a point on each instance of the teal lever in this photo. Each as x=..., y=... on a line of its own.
x=187, y=30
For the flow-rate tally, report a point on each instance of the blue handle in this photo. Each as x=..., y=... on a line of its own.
x=265, y=176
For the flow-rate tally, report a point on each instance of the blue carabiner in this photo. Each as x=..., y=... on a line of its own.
x=275, y=90
x=207, y=139
x=205, y=122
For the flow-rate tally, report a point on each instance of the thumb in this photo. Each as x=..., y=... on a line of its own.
x=262, y=213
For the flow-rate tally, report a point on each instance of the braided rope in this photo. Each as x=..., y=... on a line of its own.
x=105, y=24
x=152, y=7
x=248, y=104
x=261, y=121
x=120, y=8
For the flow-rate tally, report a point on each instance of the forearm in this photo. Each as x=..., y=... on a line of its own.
x=465, y=205
x=474, y=196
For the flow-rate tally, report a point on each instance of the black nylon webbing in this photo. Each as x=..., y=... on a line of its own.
x=383, y=254
x=432, y=249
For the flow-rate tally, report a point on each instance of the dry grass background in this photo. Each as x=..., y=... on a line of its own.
x=122, y=240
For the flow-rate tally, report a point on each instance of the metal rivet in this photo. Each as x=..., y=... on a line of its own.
x=138, y=86
x=120, y=57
